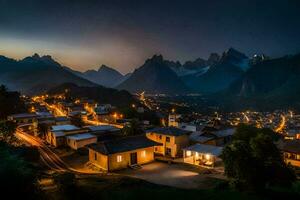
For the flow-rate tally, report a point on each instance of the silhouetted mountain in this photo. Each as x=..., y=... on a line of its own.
x=269, y=84
x=99, y=93
x=219, y=74
x=105, y=76
x=35, y=74
x=155, y=76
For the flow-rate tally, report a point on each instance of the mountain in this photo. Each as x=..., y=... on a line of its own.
x=35, y=74
x=105, y=76
x=155, y=76
x=269, y=84
x=218, y=72
x=101, y=94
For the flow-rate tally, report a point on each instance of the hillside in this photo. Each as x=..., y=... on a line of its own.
x=101, y=94
x=36, y=74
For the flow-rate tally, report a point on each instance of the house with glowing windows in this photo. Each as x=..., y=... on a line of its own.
x=202, y=155
x=172, y=140
x=121, y=153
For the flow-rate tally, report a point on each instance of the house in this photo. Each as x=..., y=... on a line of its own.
x=121, y=153
x=291, y=151
x=293, y=134
x=80, y=140
x=212, y=136
x=56, y=136
x=173, y=140
x=62, y=120
x=173, y=119
x=202, y=155
x=23, y=118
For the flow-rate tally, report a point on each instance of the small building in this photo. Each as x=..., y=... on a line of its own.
x=213, y=137
x=80, y=140
x=121, y=153
x=23, y=118
x=293, y=134
x=291, y=151
x=173, y=119
x=62, y=120
x=173, y=140
x=202, y=155
x=56, y=136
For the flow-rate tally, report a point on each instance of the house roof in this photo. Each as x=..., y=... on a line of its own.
x=123, y=145
x=173, y=131
x=292, y=146
x=61, y=119
x=205, y=149
x=81, y=136
x=67, y=127
x=58, y=133
x=23, y=115
x=102, y=128
x=224, y=133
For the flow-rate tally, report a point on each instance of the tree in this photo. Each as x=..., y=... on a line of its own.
x=10, y=102
x=253, y=162
x=18, y=178
x=132, y=128
x=7, y=130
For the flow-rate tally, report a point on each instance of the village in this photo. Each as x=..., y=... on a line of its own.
x=84, y=136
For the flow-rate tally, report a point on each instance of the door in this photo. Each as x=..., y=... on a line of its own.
x=133, y=158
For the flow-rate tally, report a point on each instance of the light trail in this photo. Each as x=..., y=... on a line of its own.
x=281, y=125
x=48, y=157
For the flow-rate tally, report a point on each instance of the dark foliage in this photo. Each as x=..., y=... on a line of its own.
x=253, y=162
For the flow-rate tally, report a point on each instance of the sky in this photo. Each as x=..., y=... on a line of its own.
x=84, y=34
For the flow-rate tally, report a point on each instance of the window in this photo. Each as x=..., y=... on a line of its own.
x=143, y=153
x=197, y=154
x=95, y=156
x=168, y=139
x=119, y=158
x=188, y=153
x=168, y=151
x=160, y=137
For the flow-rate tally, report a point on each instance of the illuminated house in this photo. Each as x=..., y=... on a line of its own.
x=173, y=140
x=122, y=153
x=202, y=155
x=81, y=140
x=291, y=151
x=56, y=136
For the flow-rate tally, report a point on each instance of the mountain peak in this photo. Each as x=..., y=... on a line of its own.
x=235, y=53
x=36, y=56
x=104, y=67
x=156, y=58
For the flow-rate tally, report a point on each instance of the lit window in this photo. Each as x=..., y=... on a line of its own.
x=188, y=153
x=144, y=153
x=197, y=154
x=207, y=156
x=119, y=158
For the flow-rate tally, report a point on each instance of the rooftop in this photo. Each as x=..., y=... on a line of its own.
x=81, y=136
x=102, y=128
x=205, y=149
x=123, y=145
x=67, y=127
x=23, y=115
x=173, y=131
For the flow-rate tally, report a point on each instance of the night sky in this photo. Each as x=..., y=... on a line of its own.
x=122, y=34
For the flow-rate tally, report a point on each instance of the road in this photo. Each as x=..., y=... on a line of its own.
x=48, y=157
x=281, y=125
